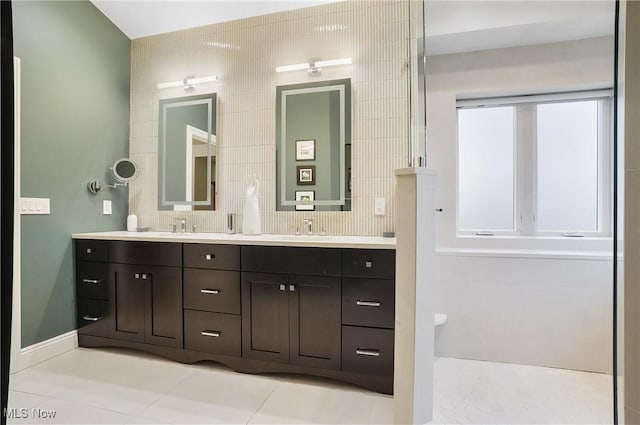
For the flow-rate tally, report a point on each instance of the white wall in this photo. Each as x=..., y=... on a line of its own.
x=542, y=302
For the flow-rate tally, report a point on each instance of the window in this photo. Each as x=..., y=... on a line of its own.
x=535, y=165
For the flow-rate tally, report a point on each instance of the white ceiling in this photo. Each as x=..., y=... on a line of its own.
x=141, y=18
x=462, y=26
x=452, y=25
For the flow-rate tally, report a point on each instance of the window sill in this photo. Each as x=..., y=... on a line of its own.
x=552, y=247
x=527, y=253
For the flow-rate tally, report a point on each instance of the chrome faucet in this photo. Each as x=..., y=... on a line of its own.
x=182, y=222
x=309, y=225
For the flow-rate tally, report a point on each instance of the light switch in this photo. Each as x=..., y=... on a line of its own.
x=106, y=207
x=35, y=206
x=380, y=206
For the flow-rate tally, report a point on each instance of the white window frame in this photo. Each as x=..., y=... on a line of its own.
x=525, y=162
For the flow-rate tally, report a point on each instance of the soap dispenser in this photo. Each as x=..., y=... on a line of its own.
x=132, y=223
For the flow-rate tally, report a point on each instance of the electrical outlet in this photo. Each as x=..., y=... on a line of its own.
x=379, y=207
x=106, y=207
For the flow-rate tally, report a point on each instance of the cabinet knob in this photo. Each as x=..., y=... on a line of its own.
x=144, y=276
x=292, y=288
x=136, y=275
x=282, y=287
x=210, y=256
x=368, y=264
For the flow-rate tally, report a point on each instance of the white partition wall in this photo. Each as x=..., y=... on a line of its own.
x=415, y=263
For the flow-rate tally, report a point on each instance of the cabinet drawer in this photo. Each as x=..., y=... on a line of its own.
x=212, y=332
x=368, y=302
x=367, y=350
x=93, y=317
x=212, y=290
x=147, y=253
x=303, y=261
x=207, y=256
x=92, y=280
x=376, y=263
x=90, y=250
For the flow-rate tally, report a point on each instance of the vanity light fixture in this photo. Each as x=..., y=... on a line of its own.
x=314, y=67
x=188, y=82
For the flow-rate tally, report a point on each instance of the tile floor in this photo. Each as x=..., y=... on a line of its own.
x=110, y=386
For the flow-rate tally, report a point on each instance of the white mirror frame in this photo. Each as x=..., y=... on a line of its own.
x=283, y=144
x=211, y=138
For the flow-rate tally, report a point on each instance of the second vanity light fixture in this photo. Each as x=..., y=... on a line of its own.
x=188, y=83
x=314, y=67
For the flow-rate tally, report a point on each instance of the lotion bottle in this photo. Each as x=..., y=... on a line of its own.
x=132, y=223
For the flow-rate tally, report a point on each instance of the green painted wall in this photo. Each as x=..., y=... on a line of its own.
x=75, y=124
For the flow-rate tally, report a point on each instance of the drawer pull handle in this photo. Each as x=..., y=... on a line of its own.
x=91, y=318
x=210, y=256
x=94, y=281
x=368, y=264
x=210, y=291
x=213, y=334
x=367, y=352
x=369, y=303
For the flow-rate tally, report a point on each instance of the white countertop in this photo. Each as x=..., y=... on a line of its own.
x=366, y=242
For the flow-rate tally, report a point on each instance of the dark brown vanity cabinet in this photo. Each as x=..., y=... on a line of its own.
x=145, y=292
x=146, y=304
x=130, y=291
x=292, y=313
x=260, y=309
x=368, y=311
x=92, y=287
x=291, y=319
x=212, y=322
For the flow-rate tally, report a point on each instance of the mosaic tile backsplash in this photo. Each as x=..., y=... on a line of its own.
x=244, y=54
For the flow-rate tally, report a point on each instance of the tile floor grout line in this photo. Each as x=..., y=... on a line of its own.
x=141, y=413
x=275, y=387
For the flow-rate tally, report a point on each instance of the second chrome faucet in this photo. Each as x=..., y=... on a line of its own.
x=308, y=224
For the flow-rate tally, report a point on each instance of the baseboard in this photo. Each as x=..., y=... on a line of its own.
x=44, y=350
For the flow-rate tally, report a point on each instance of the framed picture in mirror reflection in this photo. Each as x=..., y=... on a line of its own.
x=306, y=174
x=305, y=196
x=306, y=150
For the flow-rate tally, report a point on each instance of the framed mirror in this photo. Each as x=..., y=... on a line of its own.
x=313, y=146
x=187, y=153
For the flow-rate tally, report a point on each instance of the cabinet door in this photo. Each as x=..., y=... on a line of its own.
x=265, y=317
x=315, y=321
x=127, y=302
x=163, y=305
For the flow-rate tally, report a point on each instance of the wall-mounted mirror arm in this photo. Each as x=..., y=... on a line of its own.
x=123, y=170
